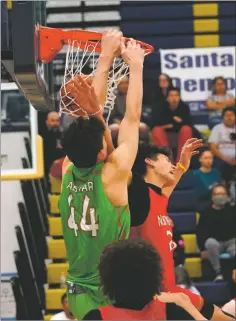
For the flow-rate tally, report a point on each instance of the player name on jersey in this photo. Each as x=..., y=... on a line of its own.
x=87, y=187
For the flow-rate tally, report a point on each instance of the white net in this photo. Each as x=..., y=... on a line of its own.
x=76, y=60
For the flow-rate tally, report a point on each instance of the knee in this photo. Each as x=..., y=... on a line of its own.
x=186, y=130
x=211, y=243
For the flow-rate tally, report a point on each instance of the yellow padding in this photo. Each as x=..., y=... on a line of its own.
x=48, y=316
x=55, y=185
x=197, y=218
x=206, y=25
x=201, y=41
x=205, y=9
x=53, y=298
x=9, y=5
x=194, y=267
x=55, y=227
x=56, y=249
x=54, y=203
x=190, y=243
x=55, y=271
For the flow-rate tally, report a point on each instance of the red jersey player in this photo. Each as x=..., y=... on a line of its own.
x=131, y=276
x=148, y=200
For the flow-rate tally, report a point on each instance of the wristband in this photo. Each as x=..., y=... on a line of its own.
x=181, y=166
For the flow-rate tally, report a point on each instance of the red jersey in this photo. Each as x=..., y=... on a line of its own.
x=158, y=231
x=155, y=310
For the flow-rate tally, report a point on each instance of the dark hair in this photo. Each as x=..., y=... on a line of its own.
x=203, y=150
x=158, y=94
x=151, y=151
x=64, y=296
x=231, y=109
x=214, y=81
x=130, y=272
x=182, y=276
x=83, y=140
x=173, y=89
x=215, y=186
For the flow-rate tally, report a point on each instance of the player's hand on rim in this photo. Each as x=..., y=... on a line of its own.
x=189, y=149
x=110, y=43
x=131, y=52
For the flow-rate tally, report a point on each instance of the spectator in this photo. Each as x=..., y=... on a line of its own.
x=51, y=134
x=183, y=280
x=204, y=178
x=223, y=143
x=164, y=83
x=173, y=116
x=66, y=313
x=178, y=254
x=216, y=229
x=118, y=113
x=218, y=100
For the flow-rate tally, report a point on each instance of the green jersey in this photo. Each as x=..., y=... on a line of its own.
x=89, y=222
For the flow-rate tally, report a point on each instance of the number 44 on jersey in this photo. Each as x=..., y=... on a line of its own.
x=88, y=214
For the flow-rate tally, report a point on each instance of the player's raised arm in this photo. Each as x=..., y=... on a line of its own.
x=189, y=149
x=110, y=48
x=124, y=156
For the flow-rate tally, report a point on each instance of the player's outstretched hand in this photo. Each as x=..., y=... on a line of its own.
x=111, y=43
x=180, y=299
x=83, y=96
x=189, y=149
x=131, y=52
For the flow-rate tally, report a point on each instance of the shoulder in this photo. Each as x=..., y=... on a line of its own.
x=183, y=105
x=196, y=172
x=215, y=171
x=93, y=315
x=217, y=128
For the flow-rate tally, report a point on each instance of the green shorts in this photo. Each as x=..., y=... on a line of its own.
x=81, y=304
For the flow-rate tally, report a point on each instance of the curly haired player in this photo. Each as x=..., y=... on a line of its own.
x=131, y=277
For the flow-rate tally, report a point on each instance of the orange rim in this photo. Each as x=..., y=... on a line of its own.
x=52, y=40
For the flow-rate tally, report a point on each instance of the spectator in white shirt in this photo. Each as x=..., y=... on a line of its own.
x=66, y=313
x=223, y=143
x=218, y=100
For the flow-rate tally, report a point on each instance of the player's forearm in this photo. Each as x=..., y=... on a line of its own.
x=130, y=123
x=101, y=76
x=135, y=94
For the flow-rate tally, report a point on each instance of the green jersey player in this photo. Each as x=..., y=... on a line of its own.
x=94, y=198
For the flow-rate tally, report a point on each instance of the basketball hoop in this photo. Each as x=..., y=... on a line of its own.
x=82, y=47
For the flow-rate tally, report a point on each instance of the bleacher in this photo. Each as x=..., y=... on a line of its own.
x=181, y=25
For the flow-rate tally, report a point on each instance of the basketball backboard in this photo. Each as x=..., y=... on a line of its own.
x=19, y=139
x=20, y=55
